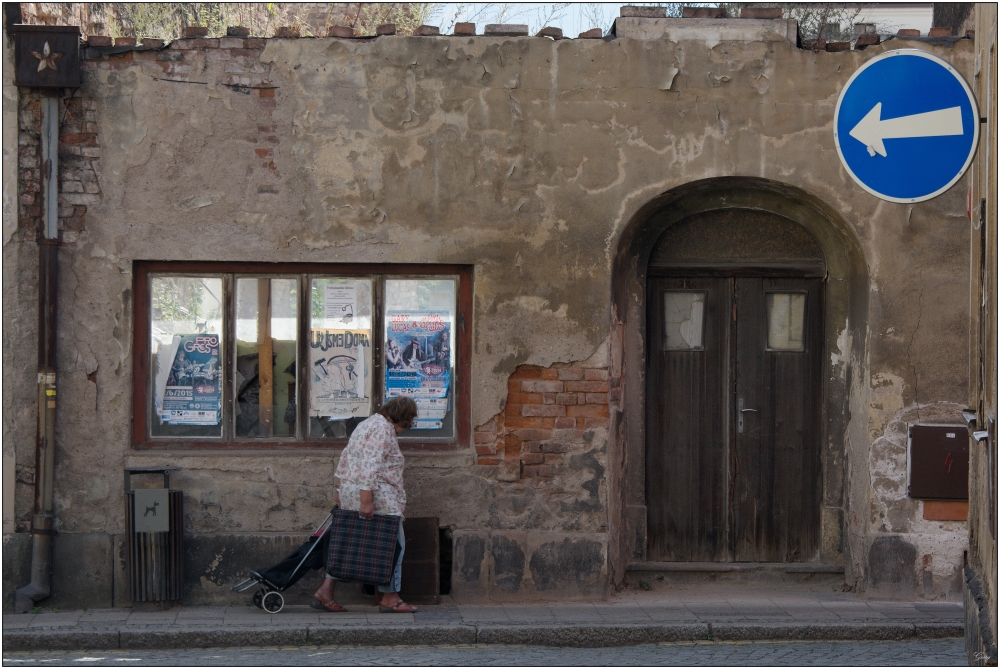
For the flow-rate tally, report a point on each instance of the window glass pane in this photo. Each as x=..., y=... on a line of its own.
x=683, y=320
x=340, y=356
x=420, y=350
x=264, y=378
x=786, y=312
x=186, y=349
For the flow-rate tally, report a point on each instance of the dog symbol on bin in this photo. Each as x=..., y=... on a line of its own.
x=151, y=508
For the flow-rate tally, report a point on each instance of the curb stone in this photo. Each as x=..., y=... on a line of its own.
x=580, y=636
x=590, y=636
x=938, y=630
x=136, y=639
x=813, y=632
x=392, y=636
x=55, y=640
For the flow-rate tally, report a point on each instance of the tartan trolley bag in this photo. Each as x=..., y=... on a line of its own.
x=362, y=550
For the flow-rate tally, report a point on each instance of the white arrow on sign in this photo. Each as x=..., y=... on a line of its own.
x=871, y=130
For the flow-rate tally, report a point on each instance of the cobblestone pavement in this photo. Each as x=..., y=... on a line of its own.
x=937, y=652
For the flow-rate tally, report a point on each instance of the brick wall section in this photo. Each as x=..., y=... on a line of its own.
x=240, y=57
x=545, y=419
x=79, y=165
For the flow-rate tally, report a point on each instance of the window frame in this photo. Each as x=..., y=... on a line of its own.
x=695, y=349
x=230, y=271
x=767, y=319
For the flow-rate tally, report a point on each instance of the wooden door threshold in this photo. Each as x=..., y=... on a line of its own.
x=717, y=567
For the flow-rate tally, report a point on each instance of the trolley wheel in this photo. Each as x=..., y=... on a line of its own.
x=273, y=602
x=258, y=599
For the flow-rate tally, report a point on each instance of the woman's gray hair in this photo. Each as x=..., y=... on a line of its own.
x=400, y=411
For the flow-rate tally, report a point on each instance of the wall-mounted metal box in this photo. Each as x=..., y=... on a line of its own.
x=47, y=56
x=938, y=462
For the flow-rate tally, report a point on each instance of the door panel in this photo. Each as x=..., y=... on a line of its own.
x=775, y=475
x=734, y=426
x=685, y=447
x=750, y=461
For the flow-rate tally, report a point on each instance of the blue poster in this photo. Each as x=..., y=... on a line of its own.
x=193, y=395
x=418, y=362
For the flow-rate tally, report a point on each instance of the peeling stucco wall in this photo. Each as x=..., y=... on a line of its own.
x=525, y=157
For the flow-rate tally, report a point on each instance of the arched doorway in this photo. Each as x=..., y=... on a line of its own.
x=753, y=238
x=733, y=389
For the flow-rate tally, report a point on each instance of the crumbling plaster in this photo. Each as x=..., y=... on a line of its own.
x=524, y=157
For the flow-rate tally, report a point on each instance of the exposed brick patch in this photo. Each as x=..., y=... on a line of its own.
x=761, y=13
x=545, y=420
x=79, y=165
x=703, y=12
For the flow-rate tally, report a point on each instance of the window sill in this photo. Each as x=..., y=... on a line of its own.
x=210, y=447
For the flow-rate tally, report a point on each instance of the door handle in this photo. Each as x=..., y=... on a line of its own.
x=739, y=419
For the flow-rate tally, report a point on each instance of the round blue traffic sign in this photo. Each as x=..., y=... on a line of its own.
x=906, y=126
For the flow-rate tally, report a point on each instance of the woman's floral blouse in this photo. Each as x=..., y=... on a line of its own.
x=372, y=461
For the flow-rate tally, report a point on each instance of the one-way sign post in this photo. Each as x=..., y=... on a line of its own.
x=906, y=126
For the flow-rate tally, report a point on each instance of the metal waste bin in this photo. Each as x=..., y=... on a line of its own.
x=155, y=544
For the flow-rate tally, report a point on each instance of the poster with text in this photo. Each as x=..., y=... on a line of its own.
x=418, y=362
x=193, y=391
x=339, y=364
x=340, y=303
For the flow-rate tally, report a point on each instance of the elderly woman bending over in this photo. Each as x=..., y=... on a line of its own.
x=371, y=482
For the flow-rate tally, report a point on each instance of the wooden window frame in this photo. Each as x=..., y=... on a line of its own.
x=378, y=273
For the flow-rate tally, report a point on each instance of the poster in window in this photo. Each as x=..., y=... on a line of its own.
x=418, y=362
x=193, y=393
x=340, y=385
x=340, y=304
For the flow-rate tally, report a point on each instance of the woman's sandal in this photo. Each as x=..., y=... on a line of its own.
x=329, y=605
x=398, y=607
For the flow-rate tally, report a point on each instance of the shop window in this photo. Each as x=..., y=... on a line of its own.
x=252, y=355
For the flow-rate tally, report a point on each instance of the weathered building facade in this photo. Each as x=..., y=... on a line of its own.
x=981, y=570
x=587, y=198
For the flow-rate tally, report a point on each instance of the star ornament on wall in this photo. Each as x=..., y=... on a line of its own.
x=46, y=59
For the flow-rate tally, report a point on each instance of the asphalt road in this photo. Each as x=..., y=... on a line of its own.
x=933, y=652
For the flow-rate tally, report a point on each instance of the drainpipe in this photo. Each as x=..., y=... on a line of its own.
x=48, y=276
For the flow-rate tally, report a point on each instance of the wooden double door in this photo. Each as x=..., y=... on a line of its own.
x=733, y=419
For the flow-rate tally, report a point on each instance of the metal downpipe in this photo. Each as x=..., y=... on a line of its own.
x=42, y=531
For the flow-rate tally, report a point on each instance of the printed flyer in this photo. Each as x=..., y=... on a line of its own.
x=193, y=389
x=339, y=304
x=341, y=385
x=418, y=362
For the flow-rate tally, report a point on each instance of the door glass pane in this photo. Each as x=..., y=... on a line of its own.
x=186, y=350
x=684, y=315
x=340, y=356
x=785, y=316
x=264, y=378
x=420, y=350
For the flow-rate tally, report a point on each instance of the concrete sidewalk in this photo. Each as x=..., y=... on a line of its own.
x=714, y=612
